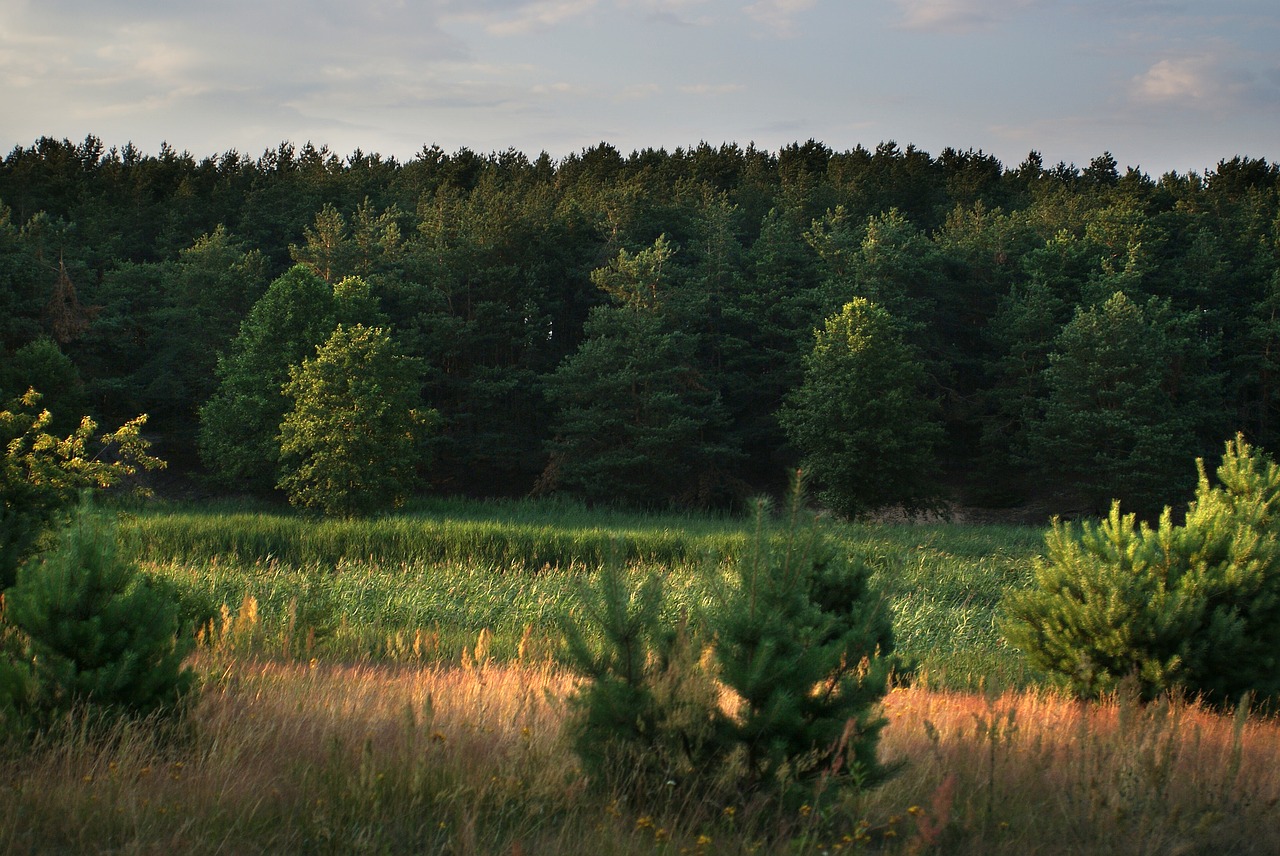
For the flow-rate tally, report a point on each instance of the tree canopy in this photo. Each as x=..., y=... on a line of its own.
x=188, y=287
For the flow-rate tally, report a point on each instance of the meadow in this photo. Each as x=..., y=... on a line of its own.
x=391, y=686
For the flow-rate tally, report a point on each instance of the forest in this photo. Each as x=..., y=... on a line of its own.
x=660, y=329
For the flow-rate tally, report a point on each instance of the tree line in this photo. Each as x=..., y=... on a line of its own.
x=660, y=328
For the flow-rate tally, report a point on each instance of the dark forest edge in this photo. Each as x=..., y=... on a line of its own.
x=640, y=330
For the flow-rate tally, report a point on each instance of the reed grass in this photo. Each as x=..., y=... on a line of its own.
x=537, y=538
x=318, y=757
x=359, y=589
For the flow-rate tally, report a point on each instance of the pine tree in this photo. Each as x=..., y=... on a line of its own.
x=1128, y=398
x=643, y=716
x=800, y=640
x=98, y=633
x=805, y=642
x=1192, y=608
x=635, y=419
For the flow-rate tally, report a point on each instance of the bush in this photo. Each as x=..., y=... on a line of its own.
x=1191, y=608
x=43, y=475
x=94, y=629
x=770, y=692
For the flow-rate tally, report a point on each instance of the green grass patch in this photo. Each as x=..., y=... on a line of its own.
x=425, y=583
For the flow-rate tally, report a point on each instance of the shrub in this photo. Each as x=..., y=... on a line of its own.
x=1193, y=608
x=772, y=691
x=95, y=630
x=42, y=475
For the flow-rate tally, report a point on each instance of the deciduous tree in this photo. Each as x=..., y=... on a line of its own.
x=861, y=420
x=350, y=443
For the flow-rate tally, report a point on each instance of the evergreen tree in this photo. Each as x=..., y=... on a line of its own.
x=767, y=321
x=1192, y=607
x=635, y=419
x=864, y=428
x=97, y=631
x=42, y=365
x=1128, y=399
x=155, y=345
x=798, y=636
x=805, y=642
x=21, y=287
x=491, y=300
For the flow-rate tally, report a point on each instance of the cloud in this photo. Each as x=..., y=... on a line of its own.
x=955, y=15
x=518, y=18
x=560, y=88
x=1186, y=79
x=710, y=88
x=640, y=92
x=1239, y=85
x=671, y=12
x=778, y=15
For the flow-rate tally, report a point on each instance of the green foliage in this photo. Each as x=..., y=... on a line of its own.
x=644, y=715
x=636, y=420
x=42, y=365
x=350, y=443
x=1192, y=607
x=166, y=323
x=96, y=630
x=42, y=475
x=804, y=640
x=143, y=268
x=770, y=692
x=239, y=424
x=18, y=685
x=865, y=429
x=1126, y=400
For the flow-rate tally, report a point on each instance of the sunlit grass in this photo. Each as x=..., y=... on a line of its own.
x=280, y=757
x=359, y=589
x=390, y=686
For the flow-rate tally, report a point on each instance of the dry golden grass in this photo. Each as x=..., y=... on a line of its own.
x=1037, y=773
x=312, y=757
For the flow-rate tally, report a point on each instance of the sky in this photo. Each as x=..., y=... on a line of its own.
x=1161, y=84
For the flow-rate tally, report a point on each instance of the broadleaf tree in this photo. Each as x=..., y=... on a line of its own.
x=350, y=443
x=861, y=421
x=239, y=425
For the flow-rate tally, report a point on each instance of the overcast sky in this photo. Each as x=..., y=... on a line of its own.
x=1162, y=85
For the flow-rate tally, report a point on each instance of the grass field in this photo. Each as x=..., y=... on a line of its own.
x=390, y=686
x=353, y=590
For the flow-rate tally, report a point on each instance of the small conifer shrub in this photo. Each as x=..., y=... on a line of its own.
x=97, y=633
x=770, y=692
x=1191, y=608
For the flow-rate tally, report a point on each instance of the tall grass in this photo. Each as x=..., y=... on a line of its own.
x=330, y=758
x=529, y=537
x=359, y=589
x=366, y=694
x=945, y=584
